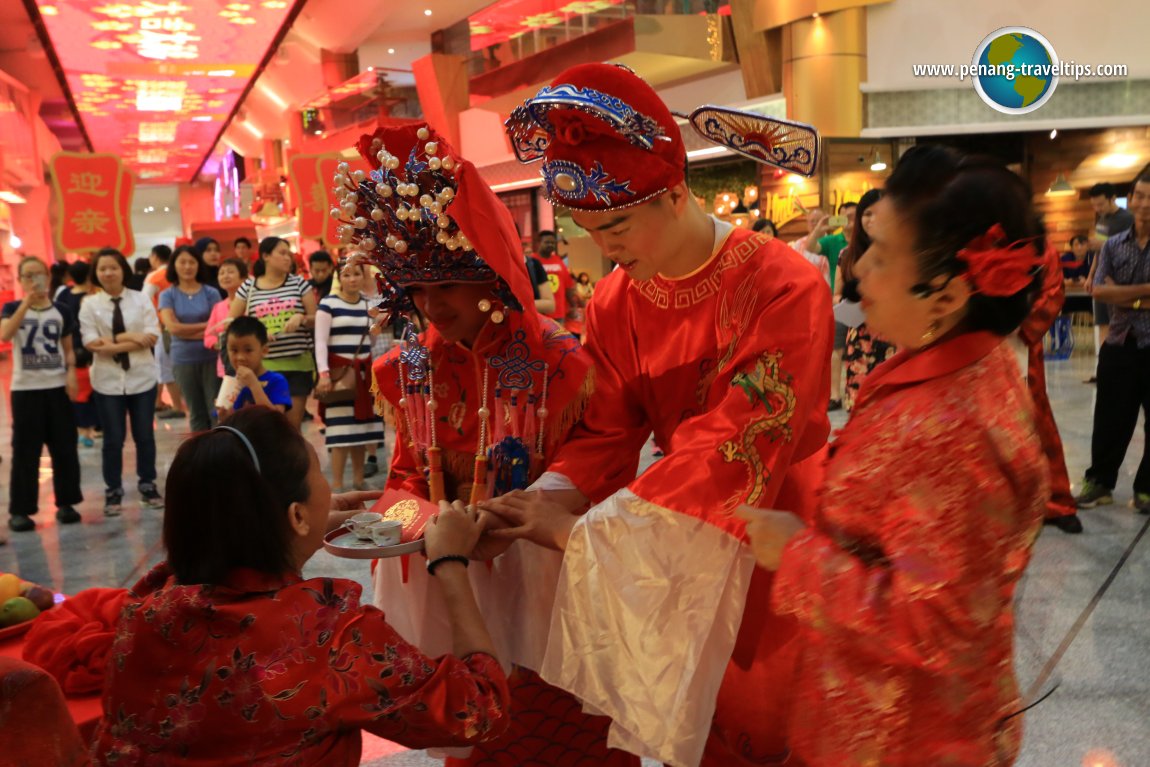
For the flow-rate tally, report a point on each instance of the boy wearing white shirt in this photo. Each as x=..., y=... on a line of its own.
x=43, y=383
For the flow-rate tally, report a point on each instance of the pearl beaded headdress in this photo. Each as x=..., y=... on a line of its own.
x=398, y=216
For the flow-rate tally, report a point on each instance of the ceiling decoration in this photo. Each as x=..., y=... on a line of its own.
x=507, y=19
x=154, y=81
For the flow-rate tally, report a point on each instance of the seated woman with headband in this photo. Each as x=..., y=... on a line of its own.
x=226, y=655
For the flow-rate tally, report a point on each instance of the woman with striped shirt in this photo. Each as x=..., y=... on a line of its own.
x=342, y=341
x=286, y=305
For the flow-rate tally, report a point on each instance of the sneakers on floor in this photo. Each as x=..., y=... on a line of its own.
x=113, y=502
x=370, y=467
x=834, y=405
x=1142, y=502
x=1093, y=495
x=66, y=515
x=151, y=496
x=19, y=523
x=171, y=413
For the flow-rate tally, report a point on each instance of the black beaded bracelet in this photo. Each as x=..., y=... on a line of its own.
x=449, y=558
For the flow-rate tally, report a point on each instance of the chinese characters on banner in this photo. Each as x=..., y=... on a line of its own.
x=93, y=202
x=311, y=178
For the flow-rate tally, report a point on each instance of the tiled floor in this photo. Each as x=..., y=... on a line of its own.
x=1083, y=609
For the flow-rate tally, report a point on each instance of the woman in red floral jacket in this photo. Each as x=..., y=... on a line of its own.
x=903, y=582
x=226, y=655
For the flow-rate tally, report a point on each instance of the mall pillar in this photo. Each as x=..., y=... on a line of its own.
x=824, y=62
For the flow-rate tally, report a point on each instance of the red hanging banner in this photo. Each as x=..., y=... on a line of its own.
x=127, y=187
x=311, y=195
x=89, y=202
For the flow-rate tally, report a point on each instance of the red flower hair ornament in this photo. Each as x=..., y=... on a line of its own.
x=997, y=268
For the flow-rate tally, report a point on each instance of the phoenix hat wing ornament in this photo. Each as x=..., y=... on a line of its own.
x=792, y=146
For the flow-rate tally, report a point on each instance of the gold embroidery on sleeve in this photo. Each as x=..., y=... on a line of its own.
x=766, y=385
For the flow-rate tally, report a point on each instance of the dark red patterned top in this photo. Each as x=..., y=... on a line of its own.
x=904, y=584
x=267, y=670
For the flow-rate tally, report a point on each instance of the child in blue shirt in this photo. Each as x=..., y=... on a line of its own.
x=247, y=343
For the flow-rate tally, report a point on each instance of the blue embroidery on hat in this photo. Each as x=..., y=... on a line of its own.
x=531, y=130
x=568, y=181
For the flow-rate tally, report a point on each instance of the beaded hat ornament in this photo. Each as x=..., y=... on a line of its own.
x=398, y=217
x=423, y=215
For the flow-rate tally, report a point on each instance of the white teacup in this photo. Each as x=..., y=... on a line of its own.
x=386, y=532
x=360, y=523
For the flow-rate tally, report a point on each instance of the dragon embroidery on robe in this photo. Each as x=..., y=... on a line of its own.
x=769, y=388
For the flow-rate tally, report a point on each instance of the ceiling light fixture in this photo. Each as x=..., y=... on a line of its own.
x=1061, y=187
x=275, y=97
x=427, y=12
x=391, y=50
x=1119, y=160
x=160, y=95
x=1053, y=134
x=11, y=197
x=15, y=241
x=878, y=164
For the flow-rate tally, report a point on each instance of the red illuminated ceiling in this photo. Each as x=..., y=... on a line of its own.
x=155, y=80
x=508, y=19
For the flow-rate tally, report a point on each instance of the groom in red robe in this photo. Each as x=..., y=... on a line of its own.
x=718, y=340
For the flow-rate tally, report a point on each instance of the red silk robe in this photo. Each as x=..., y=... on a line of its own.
x=279, y=671
x=459, y=376
x=515, y=591
x=904, y=583
x=728, y=368
x=1046, y=309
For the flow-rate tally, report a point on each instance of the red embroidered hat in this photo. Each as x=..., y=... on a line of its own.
x=605, y=137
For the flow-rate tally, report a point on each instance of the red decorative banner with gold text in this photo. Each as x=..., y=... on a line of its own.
x=90, y=203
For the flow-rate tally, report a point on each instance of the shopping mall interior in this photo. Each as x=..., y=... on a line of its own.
x=148, y=123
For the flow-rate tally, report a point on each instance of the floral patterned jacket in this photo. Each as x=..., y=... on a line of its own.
x=277, y=670
x=904, y=584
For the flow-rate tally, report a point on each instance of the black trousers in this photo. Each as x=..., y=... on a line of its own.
x=43, y=417
x=1123, y=388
